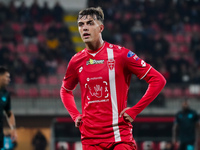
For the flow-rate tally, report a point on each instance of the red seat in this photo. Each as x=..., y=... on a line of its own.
x=195, y=28
x=21, y=48
x=174, y=48
x=33, y=92
x=21, y=92
x=55, y=92
x=41, y=38
x=127, y=37
x=169, y=38
x=187, y=38
x=32, y=48
x=44, y=92
x=183, y=49
x=24, y=58
x=167, y=92
x=18, y=80
x=19, y=37
x=11, y=47
x=187, y=93
x=38, y=27
x=42, y=80
x=53, y=80
x=187, y=28
x=16, y=27
x=177, y=92
x=179, y=38
x=61, y=69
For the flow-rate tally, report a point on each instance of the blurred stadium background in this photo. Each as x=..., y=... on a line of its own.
x=39, y=37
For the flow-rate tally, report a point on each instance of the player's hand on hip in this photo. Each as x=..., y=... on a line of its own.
x=78, y=121
x=13, y=135
x=127, y=118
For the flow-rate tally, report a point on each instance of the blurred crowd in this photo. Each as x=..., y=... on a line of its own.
x=165, y=33
x=34, y=40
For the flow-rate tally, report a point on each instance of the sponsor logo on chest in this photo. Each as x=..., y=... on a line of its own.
x=93, y=62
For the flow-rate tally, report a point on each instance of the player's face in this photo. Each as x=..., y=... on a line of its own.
x=185, y=105
x=5, y=79
x=90, y=29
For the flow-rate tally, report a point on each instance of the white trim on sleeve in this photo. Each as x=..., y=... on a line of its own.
x=146, y=73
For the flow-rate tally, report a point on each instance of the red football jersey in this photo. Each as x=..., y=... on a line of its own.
x=104, y=76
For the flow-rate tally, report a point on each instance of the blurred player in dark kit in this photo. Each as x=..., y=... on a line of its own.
x=187, y=125
x=5, y=105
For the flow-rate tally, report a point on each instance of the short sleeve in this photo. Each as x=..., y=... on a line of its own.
x=135, y=65
x=71, y=78
x=8, y=105
x=196, y=117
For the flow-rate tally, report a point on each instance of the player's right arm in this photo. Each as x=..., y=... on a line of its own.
x=174, y=130
x=69, y=83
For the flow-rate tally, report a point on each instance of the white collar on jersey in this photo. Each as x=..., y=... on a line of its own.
x=94, y=54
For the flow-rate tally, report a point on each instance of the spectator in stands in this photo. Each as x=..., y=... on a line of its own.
x=5, y=56
x=31, y=74
x=13, y=15
x=58, y=12
x=4, y=13
x=29, y=34
x=40, y=64
x=47, y=16
x=161, y=47
x=23, y=12
x=39, y=141
x=35, y=12
x=51, y=64
x=187, y=121
x=52, y=39
x=173, y=66
x=18, y=66
x=7, y=33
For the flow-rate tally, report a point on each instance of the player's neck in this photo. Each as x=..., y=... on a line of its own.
x=1, y=87
x=94, y=45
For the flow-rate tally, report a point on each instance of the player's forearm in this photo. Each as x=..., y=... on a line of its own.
x=174, y=131
x=11, y=121
x=156, y=83
x=69, y=103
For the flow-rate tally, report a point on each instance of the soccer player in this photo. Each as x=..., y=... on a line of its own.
x=5, y=105
x=103, y=71
x=187, y=121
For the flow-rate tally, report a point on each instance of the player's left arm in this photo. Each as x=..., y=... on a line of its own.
x=197, y=127
x=156, y=83
x=10, y=117
x=11, y=121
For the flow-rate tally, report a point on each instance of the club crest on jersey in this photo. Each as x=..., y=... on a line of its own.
x=3, y=98
x=111, y=64
x=93, y=62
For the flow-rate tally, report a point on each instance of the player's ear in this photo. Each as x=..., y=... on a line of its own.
x=101, y=28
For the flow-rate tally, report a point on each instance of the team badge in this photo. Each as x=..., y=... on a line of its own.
x=130, y=54
x=3, y=98
x=111, y=64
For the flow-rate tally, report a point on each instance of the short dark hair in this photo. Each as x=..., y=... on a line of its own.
x=3, y=70
x=92, y=11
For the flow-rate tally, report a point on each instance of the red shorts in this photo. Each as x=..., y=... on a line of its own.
x=111, y=146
